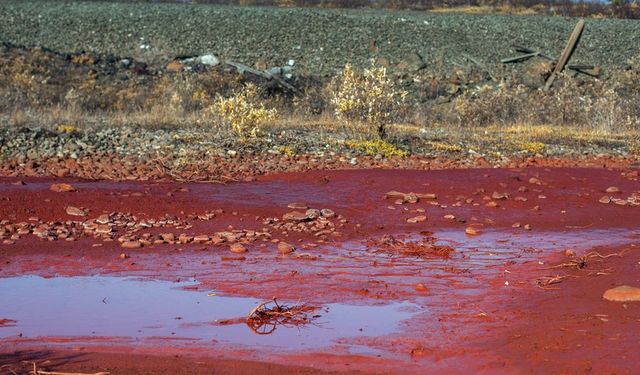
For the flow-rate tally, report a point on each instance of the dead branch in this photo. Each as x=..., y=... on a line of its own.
x=264, y=318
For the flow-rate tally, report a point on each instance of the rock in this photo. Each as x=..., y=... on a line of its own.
x=209, y=60
x=201, y=238
x=416, y=219
x=622, y=293
x=412, y=63
x=612, y=189
x=295, y=216
x=60, y=188
x=103, y=229
x=75, y=211
x=168, y=237
x=313, y=214
x=298, y=206
x=103, y=219
x=328, y=213
x=606, y=199
x=569, y=253
x=18, y=183
x=497, y=195
x=421, y=288
x=536, y=72
x=237, y=248
x=472, y=231
x=285, y=248
x=535, y=181
x=131, y=244
x=124, y=256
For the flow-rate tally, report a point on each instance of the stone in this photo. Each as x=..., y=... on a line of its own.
x=328, y=213
x=60, y=188
x=612, y=189
x=313, y=214
x=285, y=248
x=75, y=211
x=131, y=244
x=623, y=293
x=103, y=219
x=103, y=229
x=201, y=238
x=298, y=206
x=421, y=288
x=295, y=216
x=209, y=60
x=472, y=231
x=237, y=248
x=416, y=219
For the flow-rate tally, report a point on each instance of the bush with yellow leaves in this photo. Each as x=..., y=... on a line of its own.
x=369, y=96
x=243, y=112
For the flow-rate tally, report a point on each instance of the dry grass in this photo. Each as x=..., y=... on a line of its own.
x=446, y=113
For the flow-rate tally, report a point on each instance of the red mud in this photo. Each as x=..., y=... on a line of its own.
x=485, y=309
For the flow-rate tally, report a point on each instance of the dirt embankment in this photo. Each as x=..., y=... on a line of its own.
x=319, y=40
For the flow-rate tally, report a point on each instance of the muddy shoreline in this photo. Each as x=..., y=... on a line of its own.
x=521, y=295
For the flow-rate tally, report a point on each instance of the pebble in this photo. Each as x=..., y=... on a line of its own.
x=285, y=248
x=131, y=244
x=60, y=188
x=472, y=231
x=624, y=293
x=421, y=288
x=75, y=211
x=612, y=189
x=416, y=219
x=237, y=248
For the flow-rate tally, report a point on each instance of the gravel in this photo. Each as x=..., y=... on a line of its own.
x=319, y=40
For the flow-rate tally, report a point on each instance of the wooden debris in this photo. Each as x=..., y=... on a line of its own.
x=566, y=54
x=242, y=69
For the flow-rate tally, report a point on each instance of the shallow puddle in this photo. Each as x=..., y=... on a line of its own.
x=142, y=309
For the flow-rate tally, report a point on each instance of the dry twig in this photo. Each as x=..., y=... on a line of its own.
x=265, y=317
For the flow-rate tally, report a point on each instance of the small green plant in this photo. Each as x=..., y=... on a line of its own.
x=243, y=112
x=377, y=147
x=368, y=96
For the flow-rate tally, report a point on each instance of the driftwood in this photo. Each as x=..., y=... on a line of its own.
x=566, y=54
x=242, y=69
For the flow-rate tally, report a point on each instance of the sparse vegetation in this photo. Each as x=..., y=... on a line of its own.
x=244, y=112
x=376, y=147
x=369, y=96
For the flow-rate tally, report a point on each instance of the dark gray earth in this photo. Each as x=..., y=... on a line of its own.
x=319, y=40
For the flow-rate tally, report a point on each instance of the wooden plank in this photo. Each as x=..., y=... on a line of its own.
x=520, y=58
x=566, y=54
x=526, y=50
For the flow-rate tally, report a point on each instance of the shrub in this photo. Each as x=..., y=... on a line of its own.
x=243, y=112
x=368, y=96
